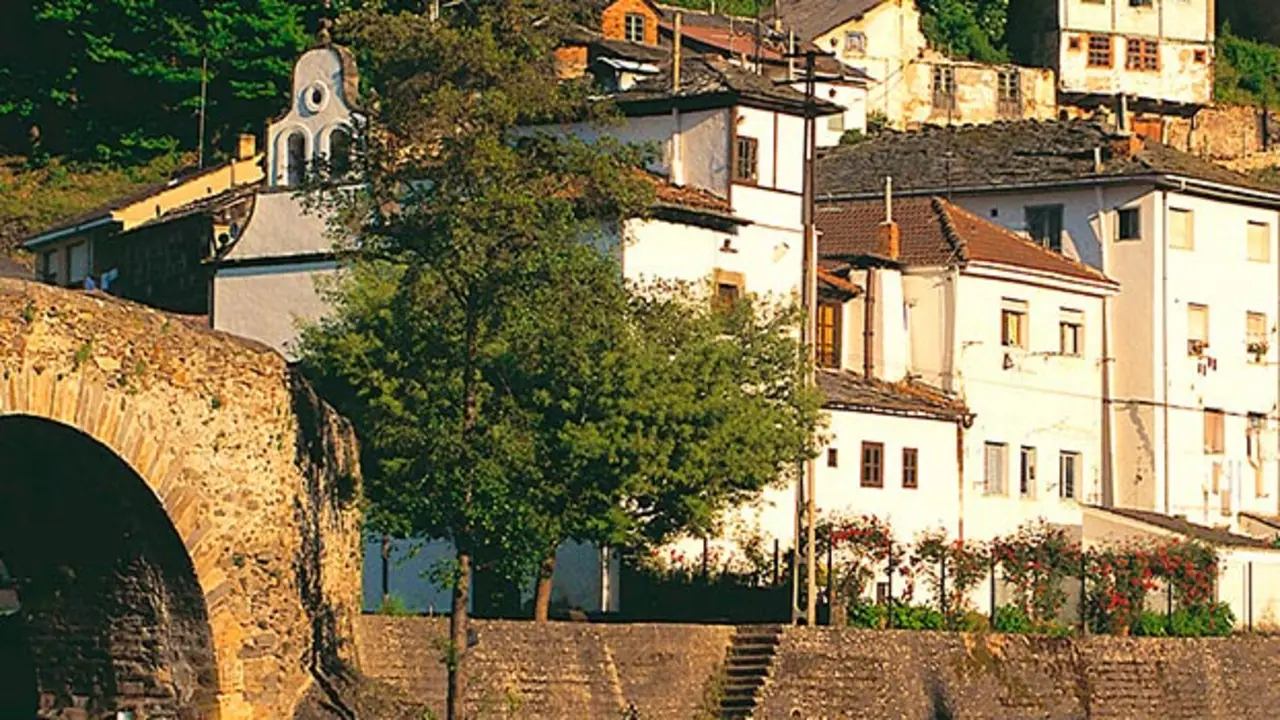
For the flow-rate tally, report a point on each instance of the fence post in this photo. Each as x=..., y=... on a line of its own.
x=386, y=568
x=993, y=592
x=1250, y=596
x=777, y=549
x=831, y=587
x=1168, y=591
x=889, y=570
x=942, y=585
x=1084, y=591
x=706, y=546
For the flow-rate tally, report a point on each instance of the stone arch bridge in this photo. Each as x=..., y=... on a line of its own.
x=179, y=529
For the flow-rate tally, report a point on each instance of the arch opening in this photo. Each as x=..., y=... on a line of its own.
x=296, y=146
x=109, y=613
x=340, y=153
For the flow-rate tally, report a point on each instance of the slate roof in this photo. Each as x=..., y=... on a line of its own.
x=845, y=390
x=710, y=76
x=934, y=232
x=811, y=18
x=1181, y=526
x=1019, y=153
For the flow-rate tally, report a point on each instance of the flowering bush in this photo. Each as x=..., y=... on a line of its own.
x=1036, y=561
x=1191, y=568
x=951, y=569
x=860, y=545
x=1119, y=580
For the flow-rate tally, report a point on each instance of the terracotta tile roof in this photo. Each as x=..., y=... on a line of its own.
x=811, y=18
x=1181, y=526
x=1027, y=152
x=935, y=232
x=845, y=390
x=686, y=196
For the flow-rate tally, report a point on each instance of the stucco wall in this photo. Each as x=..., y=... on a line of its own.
x=1181, y=77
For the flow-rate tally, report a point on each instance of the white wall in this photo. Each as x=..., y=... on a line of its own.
x=317, y=75
x=268, y=303
x=1042, y=400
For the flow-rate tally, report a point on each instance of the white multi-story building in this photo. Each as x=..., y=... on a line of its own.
x=1156, y=54
x=1006, y=328
x=1190, y=378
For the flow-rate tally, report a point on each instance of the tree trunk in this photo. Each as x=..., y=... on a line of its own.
x=542, y=594
x=458, y=638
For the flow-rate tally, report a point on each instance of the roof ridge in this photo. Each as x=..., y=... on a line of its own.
x=960, y=249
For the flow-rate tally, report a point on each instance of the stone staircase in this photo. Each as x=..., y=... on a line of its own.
x=747, y=667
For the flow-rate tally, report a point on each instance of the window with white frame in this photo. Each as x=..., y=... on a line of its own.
x=1256, y=337
x=995, y=468
x=1013, y=323
x=1182, y=229
x=1027, y=473
x=1071, y=332
x=1068, y=475
x=635, y=27
x=855, y=43
x=1259, y=242
x=1197, y=329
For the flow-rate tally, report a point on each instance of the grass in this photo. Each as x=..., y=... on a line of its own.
x=32, y=198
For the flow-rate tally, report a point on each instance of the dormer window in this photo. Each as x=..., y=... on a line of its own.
x=635, y=27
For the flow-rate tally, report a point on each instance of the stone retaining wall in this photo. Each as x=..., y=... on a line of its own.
x=566, y=670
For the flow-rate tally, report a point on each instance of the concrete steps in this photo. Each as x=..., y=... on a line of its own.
x=748, y=664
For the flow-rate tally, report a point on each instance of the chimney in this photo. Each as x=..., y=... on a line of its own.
x=247, y=146
x=677, y=40
x=1127, y=146
x=890, y=236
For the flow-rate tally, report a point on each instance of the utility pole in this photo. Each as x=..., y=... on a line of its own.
x=204, y=98
x=806, y=480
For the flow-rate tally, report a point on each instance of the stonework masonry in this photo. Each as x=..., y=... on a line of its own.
x=670, y=672
x=258, y=477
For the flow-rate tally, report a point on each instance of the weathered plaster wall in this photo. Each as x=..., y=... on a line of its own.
x=257, y=477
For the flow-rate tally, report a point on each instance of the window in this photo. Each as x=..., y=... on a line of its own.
x=339, y=153
x=835, y=123
x=944, y=87
x=1073, y=43
x=1071, y=332
x=828, y=348
x=77, y=263
x=1100, y=51
x=1256, y=334
x=1201, y=57
x=1214, y=431
x=1140, y=3
x=995, y=468
x=1044, y=225
x=49, y=266
x=635, y=26
x=1182, y=226
x=1009, y=100
x=910, y=468
x=1259, y=242
x=1068, y=475
x=872, y=465
x=727, y=294
x=1130, y=224
x=833, y=458
x=1253, y=436
x=855, y=43
x=1013, y=324
x=728, y=287
x=1197, y=329
x=1142, y=54
x=296, y=170
x=745, y=160
x=1027, y=473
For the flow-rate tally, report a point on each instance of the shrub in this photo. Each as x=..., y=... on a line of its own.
x=1012, y=620
x=394, y=606
x=1036, y=561
x=864, y=614
x=1151, y=624
x=903, y=616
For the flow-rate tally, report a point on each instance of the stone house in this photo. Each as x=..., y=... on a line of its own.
x=913, y=84
x=1143, y=56
x=1187, y=410
x=1006, y=334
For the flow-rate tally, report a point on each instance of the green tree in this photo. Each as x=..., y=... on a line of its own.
x=120, y=80
x=967, y=29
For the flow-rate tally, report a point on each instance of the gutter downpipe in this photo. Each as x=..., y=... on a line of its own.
x=677, y=141
x=1164, y=344
x=1108, y=426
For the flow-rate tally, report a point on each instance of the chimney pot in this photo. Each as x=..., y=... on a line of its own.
x=247, y=146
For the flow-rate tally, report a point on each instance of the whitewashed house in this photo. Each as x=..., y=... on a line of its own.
x=1006, y=328
x=1191, y=378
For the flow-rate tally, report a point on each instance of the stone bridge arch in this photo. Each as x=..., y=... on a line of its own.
x=256, y=478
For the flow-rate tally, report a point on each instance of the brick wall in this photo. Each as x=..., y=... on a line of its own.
x=593, y=671
x=557, y=670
